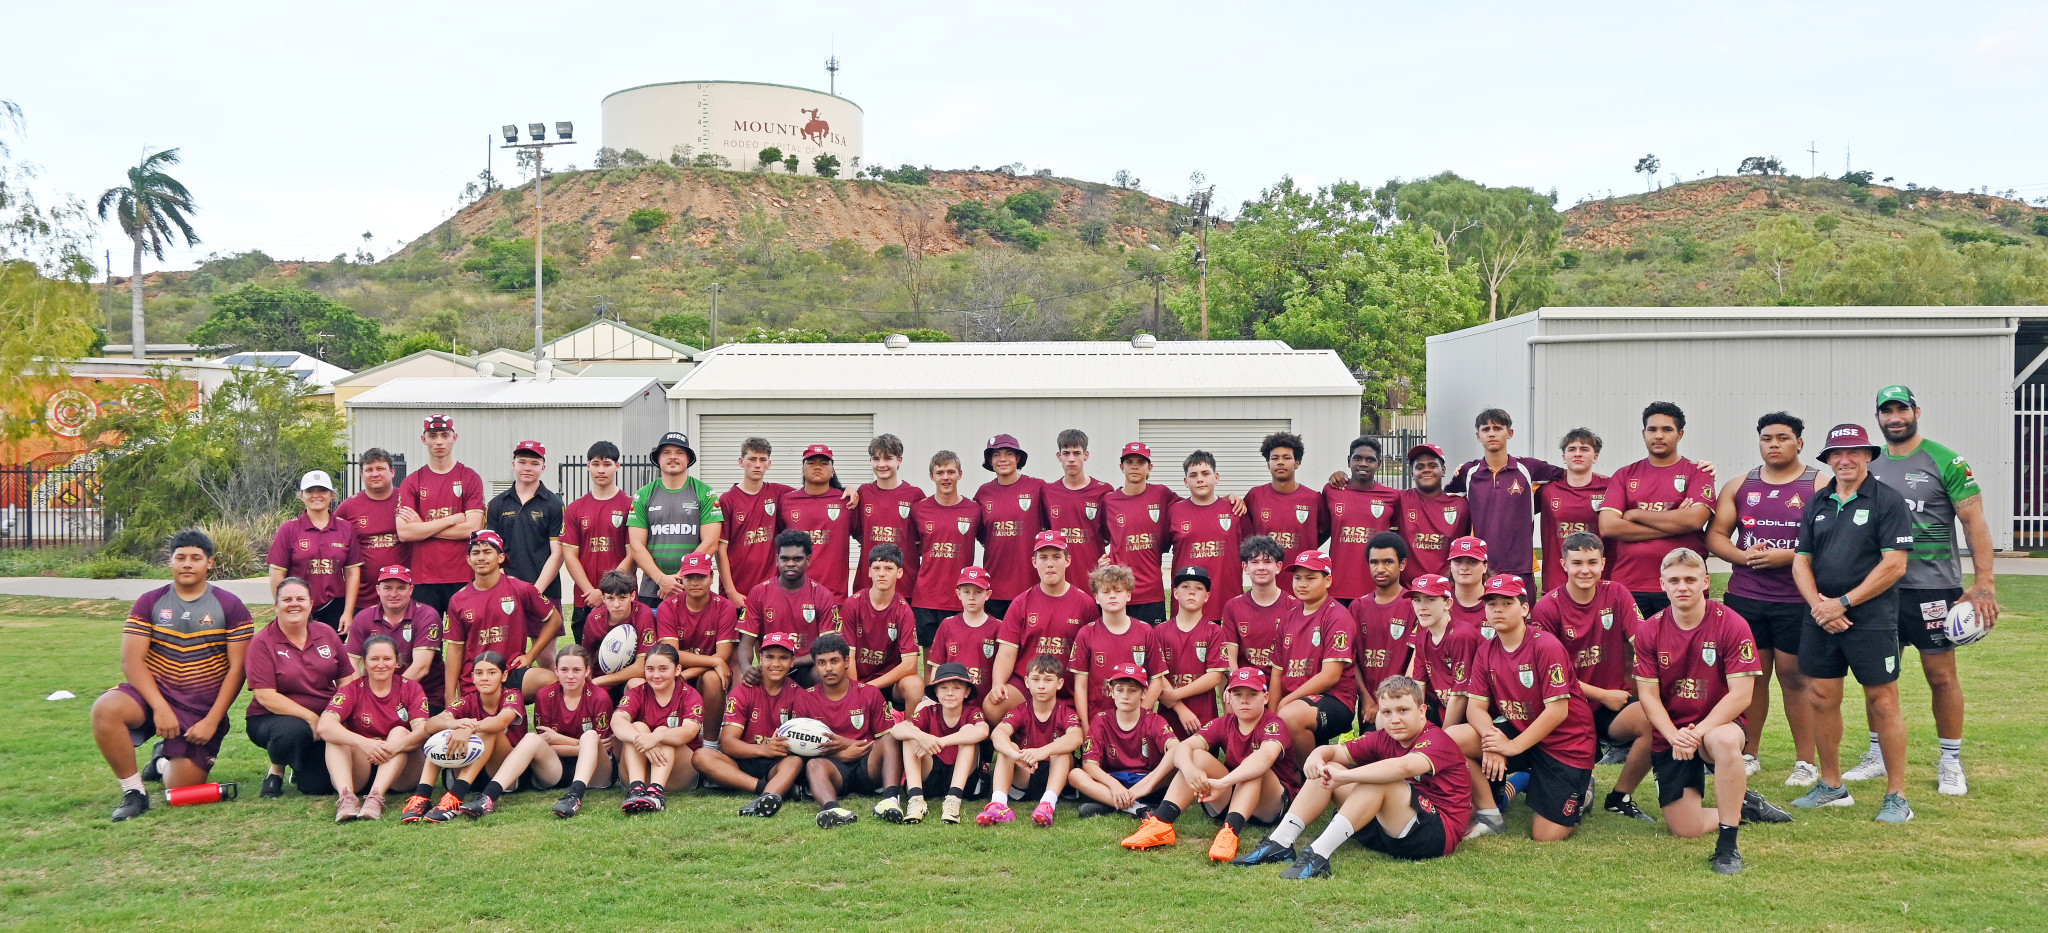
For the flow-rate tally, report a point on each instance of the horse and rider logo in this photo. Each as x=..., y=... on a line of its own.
x=816, y=129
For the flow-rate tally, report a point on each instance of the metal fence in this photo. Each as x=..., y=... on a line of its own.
x=53, y=507
x=1394, y=457
x=2030, y=462
x=572, y=476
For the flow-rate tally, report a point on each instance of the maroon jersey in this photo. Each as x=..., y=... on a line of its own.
x=1768, y=514
x=809, y=612
x=593, y=712
x=364, y=713
x=860, y=715
x=884, y=518
x=1444, y=664
x=943, y=539
x=1207, y=536
x=319, y=556
x=1226, y=734
x=759, y=713
x=1503, y=507
x=419, y=627
x=1597, y=634
x=1255, y=629
x=496, y=619
x=880, y=638
x=1011, y=517
x=472, y=706
x=749, y=535
x=1043, y=624
x=699, y=632
x=1309, y=640
x=684, y=704
x=306, y=674
x=956, y=642
x=1353, y=516
x=1520, y=681
x=1644, y=485
x=932, y=719
x=376, y=524
x=1691, y=667
x=1188, y=656
x=1445, y=791
x=1097, y=649
x=435, y=496
x=1077, y=515
x=829, y=522
x=596, y=528
x=1136, y=530
x=1471, y=617
x=1027, y=730
x=1429, y=524
x=645, y=629
x=1114, y=748
x=1386, y=638
x=1563, y=510
x=1294, y=520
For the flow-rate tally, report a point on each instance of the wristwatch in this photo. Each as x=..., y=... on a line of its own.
x=1844, y=600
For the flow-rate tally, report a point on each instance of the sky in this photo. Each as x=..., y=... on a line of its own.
x=304, y=126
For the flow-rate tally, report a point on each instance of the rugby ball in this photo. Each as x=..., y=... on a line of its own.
x=806, y=736
x=439, y=753
x=618, y=648
x=1962, y=626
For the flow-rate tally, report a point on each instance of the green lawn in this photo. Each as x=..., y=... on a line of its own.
x=1964, y=864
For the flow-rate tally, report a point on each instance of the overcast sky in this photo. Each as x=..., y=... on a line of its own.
x=305, y=125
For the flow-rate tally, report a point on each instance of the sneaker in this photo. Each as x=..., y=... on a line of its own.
x=569, y=805
x=1153, y=832
x=836, y=816
x=1616, y=754
x=153, y=770
x=914, y=811
x=636, y=802
x=347, y=807
x=1225, y=847
x=1043, y=813
x=134, y=803
x=995, y=813
x=1091, y=810
x=1803, y=774
x=1895, y=810
x=479, y=806
x=889, y=809
x=1952, y=780
x=1485, y=826
x=1267, y=852
x=273, y=786
x=415, y=809
x=1755, y=809
x=1750, y=766
x=1727, y=863
x=1625, y=804
x=950, y=810
x=372, y=809
x=656, y=797
x=1309, y=865
x=1824, y=796
x=1872, y=766
x=444, y=810
x=764, y=806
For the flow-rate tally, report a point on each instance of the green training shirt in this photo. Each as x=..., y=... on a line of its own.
x=1933, y=479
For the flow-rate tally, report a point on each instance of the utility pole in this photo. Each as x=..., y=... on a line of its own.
x=1199, y=201
x=1812, y=158
x=538, y=144
x=711, y=332
x=107, y=292
x=1156, y=279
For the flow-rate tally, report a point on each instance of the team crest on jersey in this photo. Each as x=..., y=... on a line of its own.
x=506, y=603
x=1678, y=483
x=404, y=715
x=1395, y=629
x=1607, y=620
x=769, y=507
x=892, y=633
x=1746, y=652
x=1301, y=514
x=928, y=526
x=1338, y=642
x=1153, y=512
x=1515, y=488
x=1145, y=748
x=1378, y=509
x=1138, y=657
x=810, y=614
x=164, y=616
x=1458, y=671
x=1451, y=515
x=619, y=518
x=306, y=545
x=1796, y=503
x=832, y=513
x=405, y=633
x=1202, y=652
x=674, y=720
x=857, y=717
x=457, y=487
x=1024, y=501
x=1663, y=659
x=1862, y=516
x=1597, y=500
x=1756, y=498
x=1265, y=515
x=988, y=649
x=1316, y=638
x=962, y=525
x=1486, y=631
x=326, y=652
x=1707, y=653
x=782, y=715
x=902, y=510
x=1556, y=504
x=1557, y=675
x=1223, y=523
x=1528, y=677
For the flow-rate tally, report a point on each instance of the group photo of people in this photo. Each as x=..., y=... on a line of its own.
x=1314, y=659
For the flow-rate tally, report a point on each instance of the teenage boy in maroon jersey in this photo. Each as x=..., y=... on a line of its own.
x=1444, y=650
x=703, y=627
x=438, y=506
x=1694, y=675
x=885, y=505
x=1469, y=571
x=878, y=626
x=620, y=605
x=1386, y=625
x=861, y=755
x=1355, y=511
x=1312, y=684
x=1285, y=510
x=1042, y=620
x=1253, y=619
x=495, y=612
x=374, y=513
x=1012, y=515
x=1073, y=507
x=971, y=637
x=1127, y=758
x=1244, y=786
x=791, y=602
x=594, y=533
x=746, y=550
x=1527, y=675
x=1655, y=504
x=1135, y=515
x=1430, y=518
x=1596, y=621
x=819, y=509
x=748, y=754
x=1501, y=492
x=1196, y=655
x=1204, y=530
x=1570, y=505
x=943, y=529
x=1113, y=640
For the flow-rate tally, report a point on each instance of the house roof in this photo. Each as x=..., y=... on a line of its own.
x=592, y=392
x=616, y=340
x=457, y=359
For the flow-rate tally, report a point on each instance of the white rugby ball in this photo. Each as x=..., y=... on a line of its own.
x=619, y=646
x=1962, y=626
x=806, y=736
x=439, y=753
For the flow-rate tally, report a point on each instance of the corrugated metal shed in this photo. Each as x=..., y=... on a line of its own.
x=1560, y=368
x=491, y=415
x=614, y=340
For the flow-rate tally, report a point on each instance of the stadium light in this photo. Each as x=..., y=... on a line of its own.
x=511, y=133
x=539, y=132
x=565, y=129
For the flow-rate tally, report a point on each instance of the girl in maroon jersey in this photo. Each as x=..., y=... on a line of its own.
x=375, y=722
x=488, y=710
x=570, y=744
x=656, y=729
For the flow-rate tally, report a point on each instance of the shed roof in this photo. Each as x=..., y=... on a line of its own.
x=1014, y=370
x=1779, y=312
x=457, y=359
x=592, y=392
x=616, y=340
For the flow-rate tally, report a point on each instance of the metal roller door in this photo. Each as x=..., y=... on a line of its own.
x=1234, y=442
x=719, y=437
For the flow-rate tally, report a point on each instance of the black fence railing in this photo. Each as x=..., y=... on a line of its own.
x=53, y=507
x=572, y=476
x=352, y=476
x=1394, y=457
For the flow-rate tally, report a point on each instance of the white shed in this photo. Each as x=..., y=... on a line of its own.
x=491, y=415
x=1219, y=396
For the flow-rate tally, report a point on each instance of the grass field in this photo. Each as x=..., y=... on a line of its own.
x=1976, y=863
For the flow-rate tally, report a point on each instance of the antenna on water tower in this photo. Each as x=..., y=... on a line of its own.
x=832, y=69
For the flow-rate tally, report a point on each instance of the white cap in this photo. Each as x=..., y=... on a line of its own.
x=316, y=479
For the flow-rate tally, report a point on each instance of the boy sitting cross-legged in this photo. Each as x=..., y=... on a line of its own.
x=1034, y=744
x=1243, y=786
x=947, y=731
x=1128, y=758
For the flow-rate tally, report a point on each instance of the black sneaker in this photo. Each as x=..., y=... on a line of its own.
x=1267, y=852
x=134, y=803
x=478, y=805
x=1625, y=804
x=153, y=770
x=1308, y=865
x=1755, y=809
x=836, y=816
x=1728, y=863
x=763, y=806
x=1091, y=810
x=273, y=786
x=569, y=805
x=1616, y=754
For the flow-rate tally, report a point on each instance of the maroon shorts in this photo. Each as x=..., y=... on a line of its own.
x=201, y=755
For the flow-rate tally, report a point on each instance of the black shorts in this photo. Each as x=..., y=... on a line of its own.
x=1871, y=651
x=928, y=623
x=1152, y=613
x=1649, y=604
x=1603, y=718
x=330, y=613
x=1774, y=625
x=576, y=618
x=436, y=594
x=758, y=769
x=1675, y=777
x=854, y=777
x=1424, y=839
x=1557, y=791
x=1923, y=618
x=1333, y=718
x=651, y=602
x=997, y=608
x=515, y=677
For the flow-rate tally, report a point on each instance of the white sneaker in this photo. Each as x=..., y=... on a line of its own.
x=1803, y=774
x=1872, y=766
x=1952, y=780
x=1750, y=766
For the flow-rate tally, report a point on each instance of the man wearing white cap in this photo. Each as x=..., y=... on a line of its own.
x=320, y=550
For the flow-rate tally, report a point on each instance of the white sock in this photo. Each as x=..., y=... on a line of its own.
x=1492, y=816
x=1875, y=749
x=1134, y=808
x=1291, y=827
x=132, y=782
x=1000, y=796
x=1334, y=836
x=1951, y=749
x=711, y=744
x=1051, y=797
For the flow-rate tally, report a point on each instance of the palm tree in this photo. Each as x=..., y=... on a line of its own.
x=148, y=207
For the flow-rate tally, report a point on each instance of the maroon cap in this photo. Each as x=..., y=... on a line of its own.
x=784, y=640
x=487, y=536
x=1048, y=539
x=695, y=564
x=818, y=450
x=1125, y=672
x=1506, y=584
x=1847, y=437
x=398, y=572
x=1247, y=678
x=975, y=576
x=535, y=448
x=1430, y=584
x=438, y=422
x=1310, y=559
x=1420, y=449
x=1002, y=442
x=1467, y=546
x=1137, y=449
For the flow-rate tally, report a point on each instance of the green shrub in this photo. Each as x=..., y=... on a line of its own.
x=1094, y=231
x=1689, y=250
x=826, y=165
x=769, y=156
x=1827, y=223
x=115, y=567
x=1031, y=206
x=508, y=264
x=646, y=220
x=1960, y=236
x=1888, y=205
x=2041, y=224
x=906, y=174
x=1568, y=259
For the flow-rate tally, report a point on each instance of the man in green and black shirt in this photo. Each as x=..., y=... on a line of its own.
x=1939, y=490
x=674, y=515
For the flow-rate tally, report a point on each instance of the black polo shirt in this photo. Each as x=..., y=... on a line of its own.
x=527, y=527
x=1846, y=539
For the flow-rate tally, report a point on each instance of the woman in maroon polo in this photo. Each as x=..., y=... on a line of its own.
x=295, y=665
x=374, y=722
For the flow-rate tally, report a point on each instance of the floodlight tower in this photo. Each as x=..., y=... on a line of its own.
x=565, y=135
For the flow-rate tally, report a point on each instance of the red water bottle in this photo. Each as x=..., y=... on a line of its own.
x=199, y=793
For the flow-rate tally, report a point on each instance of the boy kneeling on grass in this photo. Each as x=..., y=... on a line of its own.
x=1034, y=745
x=1128, y=758
x=1245, y=785
x=946, y=732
